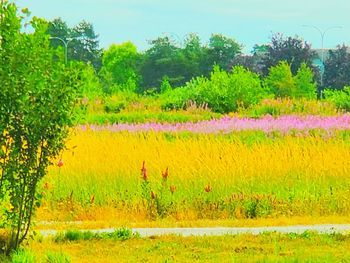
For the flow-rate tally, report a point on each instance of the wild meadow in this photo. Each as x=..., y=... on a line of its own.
x=230, y=168
x=181, y=134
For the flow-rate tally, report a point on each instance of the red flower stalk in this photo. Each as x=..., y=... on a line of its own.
x=92, y=199
x=46, y=186
x=60, y=163
x=207, y=188
x=172, y=188
x=165, y=174
x=153, y=195
x=144, y=171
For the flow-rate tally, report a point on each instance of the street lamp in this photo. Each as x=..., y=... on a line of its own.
x=322, y=33
x=65, y=43
x=171, y=35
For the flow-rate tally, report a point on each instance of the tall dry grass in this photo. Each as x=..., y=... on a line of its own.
x=302, y=175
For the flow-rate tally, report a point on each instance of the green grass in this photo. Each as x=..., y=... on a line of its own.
x=76, y=235
x=143, y=117
x=267, y=247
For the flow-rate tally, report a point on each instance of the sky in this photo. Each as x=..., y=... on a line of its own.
x=249, y=22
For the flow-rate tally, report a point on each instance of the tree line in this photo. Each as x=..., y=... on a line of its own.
x=121, y=66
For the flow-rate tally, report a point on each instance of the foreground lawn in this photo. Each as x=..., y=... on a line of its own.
x=310, y=247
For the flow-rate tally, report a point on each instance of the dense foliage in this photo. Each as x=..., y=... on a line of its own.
x=119, y=68
x=293, y=50
x=80, y=42
x=37, y=97
x=281, y=82
x=341, y=98
x=337, y=68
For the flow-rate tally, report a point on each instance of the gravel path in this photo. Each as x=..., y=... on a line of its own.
x=216, y=231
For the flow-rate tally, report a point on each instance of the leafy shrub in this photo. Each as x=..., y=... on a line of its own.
x=341, y=98
x=282, y=83
x=119, y=101
x=91, y=87
x=175, y=99
x=226, y=92
x=38, y=95
x=129, y=86
x=112, y=106
x=280, y=80
x=305, y=85
x=165, y=85
x=245, y=88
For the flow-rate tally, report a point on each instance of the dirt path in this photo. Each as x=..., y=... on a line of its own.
x=215, y=231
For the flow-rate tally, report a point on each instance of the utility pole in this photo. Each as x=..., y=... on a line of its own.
x=322, y=33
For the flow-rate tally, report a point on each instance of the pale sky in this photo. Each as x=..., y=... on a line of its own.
x=249, y=22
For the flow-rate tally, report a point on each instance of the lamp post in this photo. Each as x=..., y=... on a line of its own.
x=322, y=33
x=65, y=43
x=171, y=35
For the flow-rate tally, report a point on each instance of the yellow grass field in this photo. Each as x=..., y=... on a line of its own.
x=230, y=174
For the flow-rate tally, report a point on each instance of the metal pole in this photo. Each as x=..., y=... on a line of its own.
x=322, y=33
x=171, y=35
x=65, y=43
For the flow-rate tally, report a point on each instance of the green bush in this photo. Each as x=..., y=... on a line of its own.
x=280, y=80
x=226, y=92
x=119, y=101
x=165, y=85
x=223, y=92
x=282, y=83
x=175, y=99
x=38, y=96
x=305, y=85
x=91, y=87
x=114, y=106
x=341, y=98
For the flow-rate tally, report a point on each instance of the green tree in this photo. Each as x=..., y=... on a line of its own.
x=194, y=55
x=340, y=98
x=120, y=67
x=337, y=68
x=91, y=87
x=37, y=97
x=227, y=91
x=58, y=28
x=253, y=61
x=82, y=41
x=293, y=50
x=305, y=86
x=221, y=51
x=85, y=44
x=162, y=59
x=280, y=80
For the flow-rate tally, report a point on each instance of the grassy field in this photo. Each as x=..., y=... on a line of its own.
x=191, y=177
x=108, y=178
x=267, y=247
